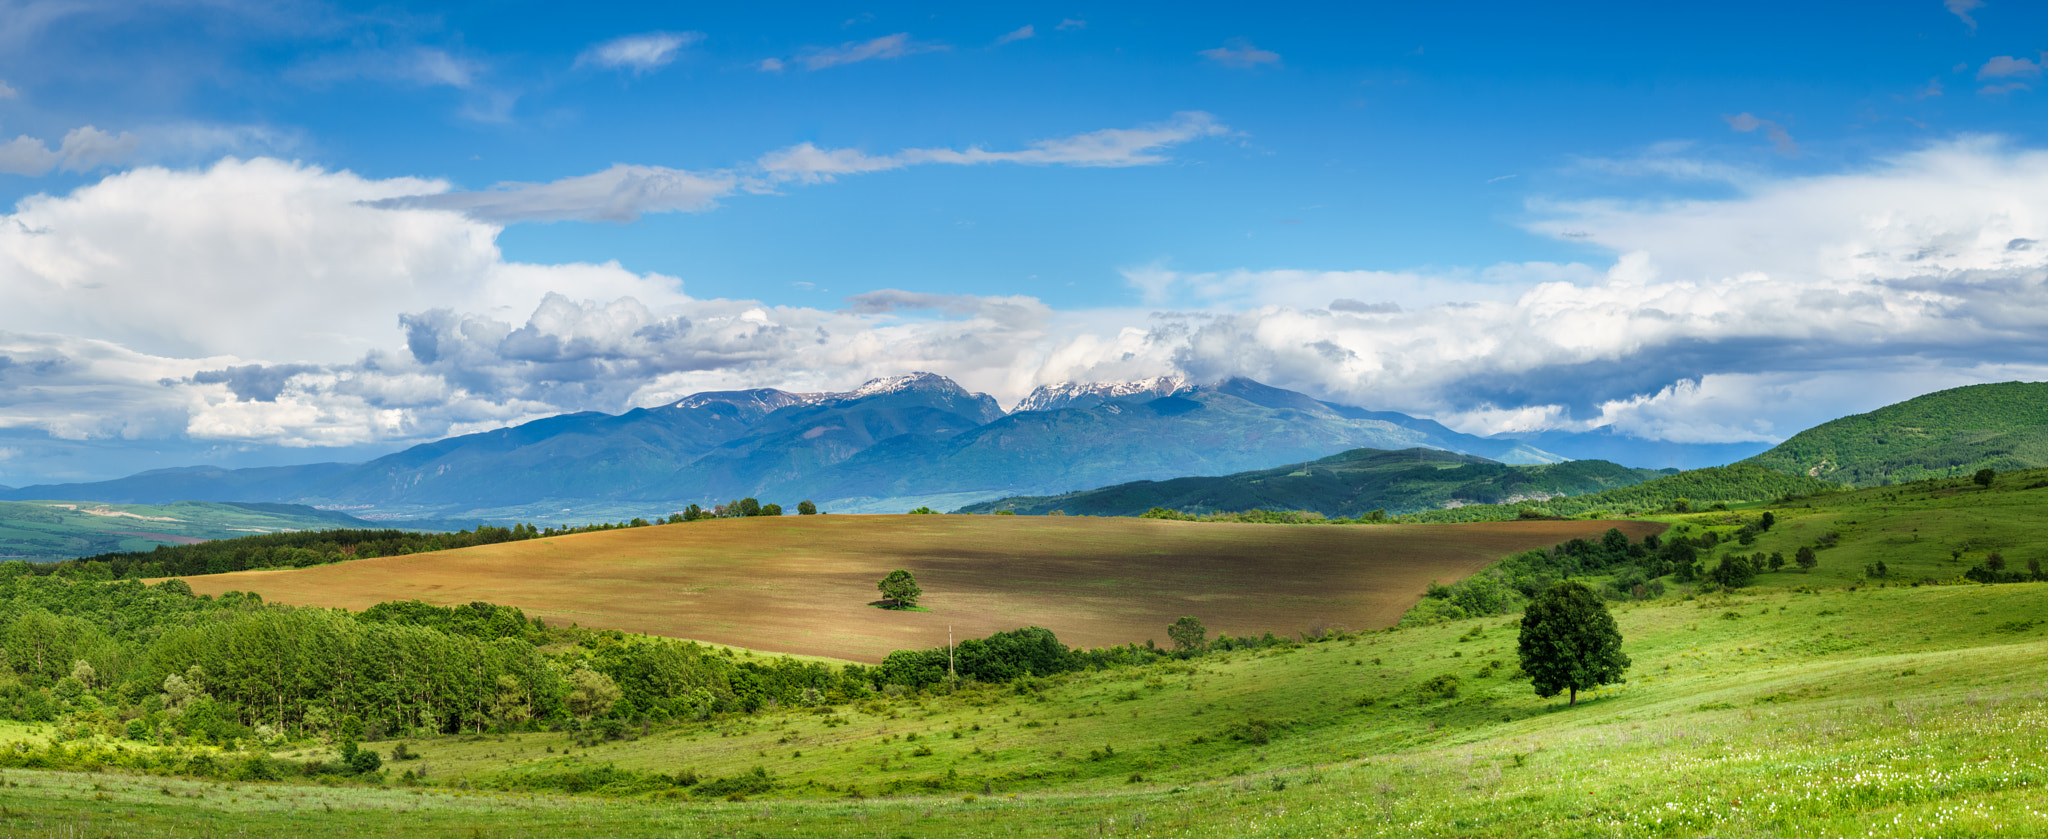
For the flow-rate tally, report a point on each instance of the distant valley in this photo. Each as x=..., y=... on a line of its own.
x=56, y=530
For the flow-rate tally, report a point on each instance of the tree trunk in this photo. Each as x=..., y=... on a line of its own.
x=1575, y=697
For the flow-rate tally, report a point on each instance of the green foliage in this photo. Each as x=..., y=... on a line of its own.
x=1360, y=485
x=924, y=511
x=1699, y=488
x=1569, y=642
x=1735, y=571
x=1512, y=582
x=806, y=508
x=1188, y=634
x=900, y=588
x=1440, y=687
x=297, y=550
x=1947, y=434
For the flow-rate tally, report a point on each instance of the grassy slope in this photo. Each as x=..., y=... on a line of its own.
x=1915, y=529
x=1343, y=485
x=1943, y=434
x=1900, y=712
x=1894, y=712
x=44, y=530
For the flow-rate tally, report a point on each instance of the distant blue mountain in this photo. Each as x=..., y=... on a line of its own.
x=188, y=483
x=885, y=446
x=1604, y=444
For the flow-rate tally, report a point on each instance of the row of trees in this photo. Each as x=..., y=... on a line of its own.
x=309, y=548
x=741, y=509
x=1635, y=569
x=159, y=663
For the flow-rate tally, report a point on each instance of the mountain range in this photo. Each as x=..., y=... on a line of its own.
x=886, y=446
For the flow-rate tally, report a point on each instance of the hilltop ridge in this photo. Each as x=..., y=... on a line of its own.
x=1947, y=433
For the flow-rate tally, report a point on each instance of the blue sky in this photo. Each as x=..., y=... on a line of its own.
x=299, y=231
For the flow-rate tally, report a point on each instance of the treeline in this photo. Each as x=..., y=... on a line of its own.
x=308, y=548
x=1697, y=489
x=294, y=550
x=1034, y=652
x=1265, y=516
x=1635, y=568
x=157, y=664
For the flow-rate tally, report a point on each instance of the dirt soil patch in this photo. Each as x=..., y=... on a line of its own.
x=802, y=584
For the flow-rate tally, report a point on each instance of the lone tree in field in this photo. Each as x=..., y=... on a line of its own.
x=1188, y=634
x=1570, y=643
x=900, y=588
x=1984, y=477
x=1805, y=558
x=806, y=508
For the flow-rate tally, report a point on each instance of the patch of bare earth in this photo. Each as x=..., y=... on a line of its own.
x=802, y=584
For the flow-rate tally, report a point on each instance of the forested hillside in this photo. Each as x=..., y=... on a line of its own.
x=1352, y=484
x=1944, y=434
x=1693, y=490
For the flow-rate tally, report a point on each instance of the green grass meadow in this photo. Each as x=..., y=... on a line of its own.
x=1822, y=704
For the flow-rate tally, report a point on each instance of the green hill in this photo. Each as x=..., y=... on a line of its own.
x=51, y=530
x=1741, y=483
x=1345, y=485
x=1943, y=434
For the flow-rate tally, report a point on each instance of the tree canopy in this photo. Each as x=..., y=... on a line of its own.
x=900, y=588
x=1569, y=642
x=1188, y=634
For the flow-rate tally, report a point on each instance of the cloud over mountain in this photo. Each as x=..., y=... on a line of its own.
x=274, y=302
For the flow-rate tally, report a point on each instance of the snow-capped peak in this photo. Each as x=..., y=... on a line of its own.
x=766, y=398
x=898, y=384
x=1089, y=394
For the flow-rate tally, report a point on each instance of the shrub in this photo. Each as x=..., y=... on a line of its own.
x=1256, y=731
x=750, y=783
x=1442, y=687
x=364, y=762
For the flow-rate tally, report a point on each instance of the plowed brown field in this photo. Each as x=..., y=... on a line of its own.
x=802, y=584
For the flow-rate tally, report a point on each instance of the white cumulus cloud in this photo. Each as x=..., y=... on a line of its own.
x=262, y=301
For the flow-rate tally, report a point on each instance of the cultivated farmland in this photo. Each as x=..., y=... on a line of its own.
x=803, y=585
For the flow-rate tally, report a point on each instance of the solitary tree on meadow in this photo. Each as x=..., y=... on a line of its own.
x=900, y=588
x=1570, y=642
x=1805, y=558
x=806, y=508
x=1984, y=477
